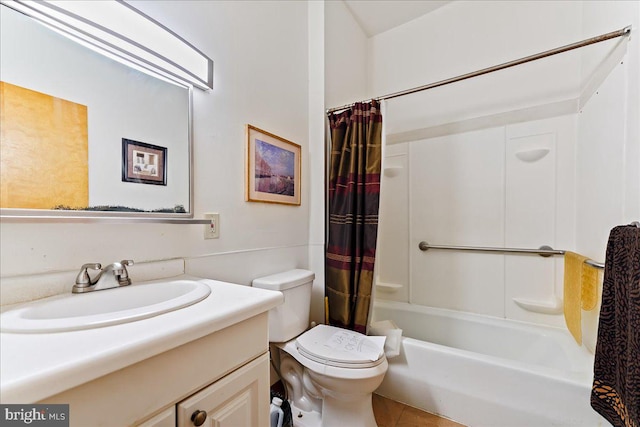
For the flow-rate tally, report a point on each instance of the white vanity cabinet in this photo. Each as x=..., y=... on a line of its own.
x=225, y=373
x=233, y=401
x=166, y=418
x=229, y=402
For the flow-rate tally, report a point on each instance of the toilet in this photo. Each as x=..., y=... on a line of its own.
x=328, y=382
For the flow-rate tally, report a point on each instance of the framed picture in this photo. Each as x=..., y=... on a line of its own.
x=273, y=168
x=143, y=163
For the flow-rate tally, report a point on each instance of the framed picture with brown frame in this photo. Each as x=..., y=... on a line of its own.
x=273, y=168
x=143, y=163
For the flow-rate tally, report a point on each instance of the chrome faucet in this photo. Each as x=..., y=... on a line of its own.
x=103, y=280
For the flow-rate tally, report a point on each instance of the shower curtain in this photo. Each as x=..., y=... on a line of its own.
x=354, y=196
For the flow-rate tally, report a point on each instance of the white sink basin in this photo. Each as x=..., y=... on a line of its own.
x=103, y=308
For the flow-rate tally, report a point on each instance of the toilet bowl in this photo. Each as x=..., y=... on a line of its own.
x=329, y=373
x=341, y=386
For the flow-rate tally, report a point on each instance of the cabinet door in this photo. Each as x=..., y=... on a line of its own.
x=166, y=418
x=238, y=399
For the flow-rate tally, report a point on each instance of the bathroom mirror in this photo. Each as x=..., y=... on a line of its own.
x=84, y=135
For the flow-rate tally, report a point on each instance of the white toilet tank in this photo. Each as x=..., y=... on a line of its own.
x=291, y=318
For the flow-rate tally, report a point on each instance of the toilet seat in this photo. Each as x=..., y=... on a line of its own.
x=322, y=344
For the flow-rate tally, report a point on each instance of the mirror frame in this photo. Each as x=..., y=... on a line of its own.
x=50, y=215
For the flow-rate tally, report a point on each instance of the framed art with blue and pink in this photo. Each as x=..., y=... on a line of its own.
x=273, y=168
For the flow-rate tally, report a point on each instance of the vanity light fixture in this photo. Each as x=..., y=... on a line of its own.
x=126, y=34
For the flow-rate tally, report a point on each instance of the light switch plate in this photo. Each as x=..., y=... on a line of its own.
x=212, y=230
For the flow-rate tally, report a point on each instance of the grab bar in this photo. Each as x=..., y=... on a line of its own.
x=545, y=251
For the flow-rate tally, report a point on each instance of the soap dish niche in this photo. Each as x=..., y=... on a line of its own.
x=391, y=171
x=532, y=155
x=554, y=306
x=388, y=287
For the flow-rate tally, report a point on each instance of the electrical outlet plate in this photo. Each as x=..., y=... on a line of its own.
x=212, y=230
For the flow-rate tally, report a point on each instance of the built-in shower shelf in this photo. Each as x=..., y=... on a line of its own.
x=532, y=155
x=543, y=307
x=388, y=287
x=391, y=171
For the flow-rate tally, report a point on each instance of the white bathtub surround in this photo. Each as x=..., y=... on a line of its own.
x=523, y=179
x=482, y=194
x=484, y=371
x=562, y=178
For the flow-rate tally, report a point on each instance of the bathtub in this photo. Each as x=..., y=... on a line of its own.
x=485, y=371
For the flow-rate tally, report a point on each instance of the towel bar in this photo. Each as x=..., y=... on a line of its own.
x=545, y=251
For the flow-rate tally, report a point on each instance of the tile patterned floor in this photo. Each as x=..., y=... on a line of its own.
x=389, y=413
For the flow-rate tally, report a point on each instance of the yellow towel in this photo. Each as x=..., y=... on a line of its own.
x=580, y=291
x=573, y=293
x=589, y=287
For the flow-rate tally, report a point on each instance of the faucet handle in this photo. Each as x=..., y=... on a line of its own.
x=124, y=263
x=124, y=279
x=93, y=266
x=83, y=278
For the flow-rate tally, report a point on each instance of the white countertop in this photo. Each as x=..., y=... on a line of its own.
x=36, y=366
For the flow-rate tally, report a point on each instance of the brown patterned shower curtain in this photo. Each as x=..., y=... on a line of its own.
x=354, y=196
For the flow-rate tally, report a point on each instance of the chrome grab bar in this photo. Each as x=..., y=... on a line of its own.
x=544, y=251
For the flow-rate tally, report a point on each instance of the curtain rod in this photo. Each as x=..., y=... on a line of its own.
x=620, y=33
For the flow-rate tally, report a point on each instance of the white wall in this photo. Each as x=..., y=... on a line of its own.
x=466, y=188
x=260, y=50
x=346, y=57
x=464, y=36
x=316, y=155
x=608, y=152
x=609, y=128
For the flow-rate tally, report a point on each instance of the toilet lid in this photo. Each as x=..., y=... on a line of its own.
x=339, y=347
